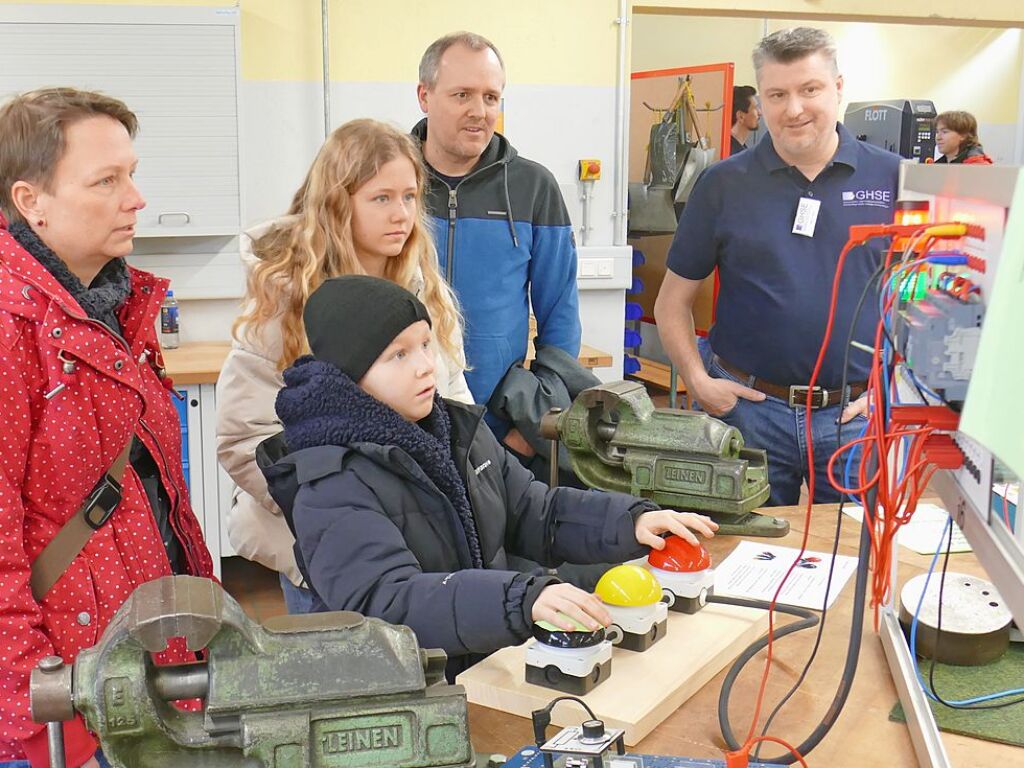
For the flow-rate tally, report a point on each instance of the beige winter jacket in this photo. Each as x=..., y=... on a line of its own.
x=246, y=390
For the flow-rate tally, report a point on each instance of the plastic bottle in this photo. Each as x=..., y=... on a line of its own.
x=169, y=322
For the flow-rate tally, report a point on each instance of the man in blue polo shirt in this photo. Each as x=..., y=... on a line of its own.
x=773, y=221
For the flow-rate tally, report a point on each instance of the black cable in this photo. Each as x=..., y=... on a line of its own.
x=808, y=619
x=859, y=602
x=938, y=636
x=541, y=718
x=857, y=620
x=806, y=614
x=849, y=669
x=875, y=276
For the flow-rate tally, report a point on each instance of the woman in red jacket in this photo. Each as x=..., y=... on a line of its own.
x=81, y=382
x=956, y=137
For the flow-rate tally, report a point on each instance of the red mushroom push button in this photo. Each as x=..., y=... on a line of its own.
x=684, y=571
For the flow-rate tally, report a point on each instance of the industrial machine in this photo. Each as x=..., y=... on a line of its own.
x=686, y=460
x=325, y=689
x=903, y=126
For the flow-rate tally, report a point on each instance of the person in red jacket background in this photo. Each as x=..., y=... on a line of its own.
x=956, y=137
x=81, y=378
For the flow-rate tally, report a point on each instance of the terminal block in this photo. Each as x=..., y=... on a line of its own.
x=939, y=337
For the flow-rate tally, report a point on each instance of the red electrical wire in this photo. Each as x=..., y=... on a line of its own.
x=878, y=440
x=882, y=443
x=741, y=757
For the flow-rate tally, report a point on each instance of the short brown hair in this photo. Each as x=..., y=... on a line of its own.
x=32, y=134
x=963, y=123
x=789, y=45
x=431, y=60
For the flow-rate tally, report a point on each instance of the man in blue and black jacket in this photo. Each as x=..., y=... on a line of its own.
x=502, y=230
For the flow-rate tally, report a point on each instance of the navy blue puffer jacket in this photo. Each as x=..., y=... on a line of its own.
x=375, y=534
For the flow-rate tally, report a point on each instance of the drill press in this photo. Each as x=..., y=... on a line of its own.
x=618, y=441
x=331, y=690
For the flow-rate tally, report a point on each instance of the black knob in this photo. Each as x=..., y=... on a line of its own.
x=593, y=729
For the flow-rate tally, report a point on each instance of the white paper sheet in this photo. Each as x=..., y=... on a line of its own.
x=754, y=570
x=923, y=534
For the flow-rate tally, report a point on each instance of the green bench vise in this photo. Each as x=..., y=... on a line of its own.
x=686, y=460
x=324, y=690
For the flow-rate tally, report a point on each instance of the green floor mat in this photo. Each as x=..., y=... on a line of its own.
x=1004, y=725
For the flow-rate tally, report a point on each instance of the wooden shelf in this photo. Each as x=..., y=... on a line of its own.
x=657, y=374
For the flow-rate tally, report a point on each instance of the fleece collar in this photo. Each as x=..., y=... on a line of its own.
x=102, y=299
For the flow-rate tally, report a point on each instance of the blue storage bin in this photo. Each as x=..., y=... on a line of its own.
x=181, y=406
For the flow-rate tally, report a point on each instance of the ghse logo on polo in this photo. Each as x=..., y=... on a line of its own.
x=877, y=198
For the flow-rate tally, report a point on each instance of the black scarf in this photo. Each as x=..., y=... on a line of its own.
x=102, y=298
x=320, y=405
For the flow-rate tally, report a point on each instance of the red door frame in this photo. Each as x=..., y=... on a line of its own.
x=727, y=69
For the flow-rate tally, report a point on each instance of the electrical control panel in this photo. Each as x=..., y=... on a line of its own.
x=956, y=314
x=939, y=336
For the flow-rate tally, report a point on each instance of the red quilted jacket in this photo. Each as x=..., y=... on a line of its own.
x=52, y=452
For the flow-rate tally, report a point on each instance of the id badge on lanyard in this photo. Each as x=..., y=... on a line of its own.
x=806, y=216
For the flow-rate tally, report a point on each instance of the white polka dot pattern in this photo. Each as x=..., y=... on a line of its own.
x=52, y=452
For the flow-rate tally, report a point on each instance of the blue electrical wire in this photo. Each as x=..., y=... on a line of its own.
x=887, y=352
x=913, y=639
x=849, y=466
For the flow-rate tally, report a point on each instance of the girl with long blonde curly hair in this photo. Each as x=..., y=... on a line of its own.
x=358, y=212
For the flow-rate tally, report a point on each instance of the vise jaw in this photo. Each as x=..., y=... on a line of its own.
x=323, y=690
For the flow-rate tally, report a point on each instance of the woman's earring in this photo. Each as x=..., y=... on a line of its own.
x=41, y=223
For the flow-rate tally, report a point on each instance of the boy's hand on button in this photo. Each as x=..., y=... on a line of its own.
x=559, y=601
x=650, y=526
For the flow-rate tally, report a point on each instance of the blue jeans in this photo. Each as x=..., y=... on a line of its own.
x=24, y=763
x=296, y=599
x=782, y=431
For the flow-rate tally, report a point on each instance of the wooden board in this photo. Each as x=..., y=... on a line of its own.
x=644, y=688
